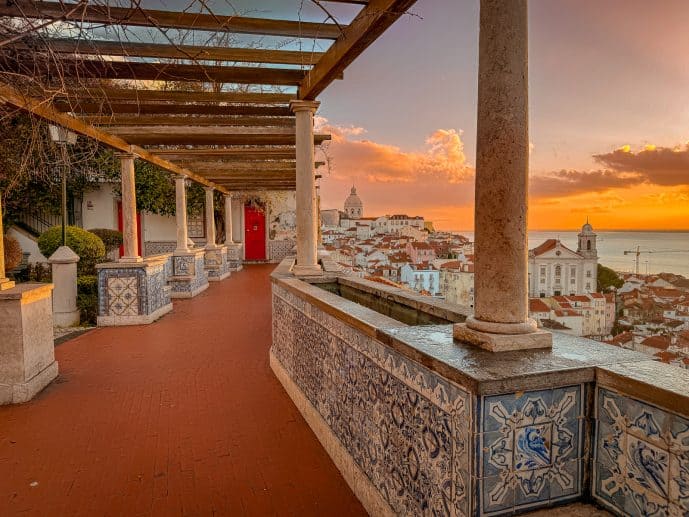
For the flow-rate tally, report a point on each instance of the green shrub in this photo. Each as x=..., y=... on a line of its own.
x=87, y=245
x=87, y=298
x=13, y=252
x=111, y=238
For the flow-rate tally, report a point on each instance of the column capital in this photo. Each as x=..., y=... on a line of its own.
x=208, y=189
x=300, y=105
x=125, y=154
x=181, y=176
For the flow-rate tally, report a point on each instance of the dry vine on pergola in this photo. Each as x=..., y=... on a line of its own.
x=203, y=91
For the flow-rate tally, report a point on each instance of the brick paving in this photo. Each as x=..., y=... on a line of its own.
x=182, y=417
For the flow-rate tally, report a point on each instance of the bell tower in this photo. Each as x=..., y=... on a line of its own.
x=587, y=241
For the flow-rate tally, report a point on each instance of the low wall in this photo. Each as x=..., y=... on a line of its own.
x=420, y=424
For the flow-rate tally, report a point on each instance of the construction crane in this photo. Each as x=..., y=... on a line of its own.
x=638, y=252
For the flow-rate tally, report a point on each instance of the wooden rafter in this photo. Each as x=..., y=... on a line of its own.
x=171, y=20
x=44, y=110
x=139, y=95
x=104, y=107
x=140, y=71
x=176, y=120
x=167, y=51
x=370, y=23
x=228, y=153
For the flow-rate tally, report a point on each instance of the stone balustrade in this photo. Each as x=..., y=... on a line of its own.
x=419, y=423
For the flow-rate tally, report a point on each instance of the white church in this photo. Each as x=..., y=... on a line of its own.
x=556, y=270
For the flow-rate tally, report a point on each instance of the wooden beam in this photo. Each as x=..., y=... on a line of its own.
x=140, y=95
x=230, y=168
x=144, y=71
x=366, y=27
x=104, y=107
x=10, y=95
x=251, y=188
x=200, y=130
x=183, y=138
x=170, y=51
x=108, y=15
x=228, y=153
x=174, y=120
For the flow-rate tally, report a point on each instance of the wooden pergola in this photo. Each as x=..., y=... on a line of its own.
x=216, y=113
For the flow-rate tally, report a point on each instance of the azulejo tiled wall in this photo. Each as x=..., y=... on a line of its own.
x=531, y=451
x=188, y=274
x=641, y=464
x=407, y=428
x=159, y=247
x=216, y=263
x=133, y=293
x=278, y=250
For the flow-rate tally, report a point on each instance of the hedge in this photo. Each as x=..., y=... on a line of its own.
x=88, y=246
x=111, y=238
x=87, y=298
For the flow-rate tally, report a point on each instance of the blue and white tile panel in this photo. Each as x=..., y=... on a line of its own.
x=641, y=460
x=530, y=449
x=132, y=291
x=407, y=428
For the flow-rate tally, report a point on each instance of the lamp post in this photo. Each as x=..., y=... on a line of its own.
x=62, y=137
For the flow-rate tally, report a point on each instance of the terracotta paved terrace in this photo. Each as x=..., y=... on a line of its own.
x=182, y=417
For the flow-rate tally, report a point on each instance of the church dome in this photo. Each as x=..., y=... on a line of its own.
x=353, y=201
x=587, y=228
x=353, y=206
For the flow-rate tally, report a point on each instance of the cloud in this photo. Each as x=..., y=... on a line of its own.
x=442, y=158
x=624, y=168
x=657, y=165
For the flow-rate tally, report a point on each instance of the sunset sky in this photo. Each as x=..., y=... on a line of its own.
x=609, y=95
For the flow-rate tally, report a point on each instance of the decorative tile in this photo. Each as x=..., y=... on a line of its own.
x=407, y=428
x=278, y=250
x=531, y=447
x=123, y=296
x=641, y=457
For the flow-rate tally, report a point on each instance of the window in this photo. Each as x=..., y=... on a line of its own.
x=573, y=272
x=588, y=274
x=557, y=293
x=542, y=295
x=542, y=270
x=558, y=270
x=573, y=281
x=588, y=286
x=542, y=280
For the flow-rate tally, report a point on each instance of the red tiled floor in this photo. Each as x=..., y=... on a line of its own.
x=182, y=417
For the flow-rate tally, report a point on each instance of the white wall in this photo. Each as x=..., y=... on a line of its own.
x=158, y=227
x=28, y=244
x=99, y=208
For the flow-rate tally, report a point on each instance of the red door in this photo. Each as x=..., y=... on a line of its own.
x=254, y=233
x=120, y=227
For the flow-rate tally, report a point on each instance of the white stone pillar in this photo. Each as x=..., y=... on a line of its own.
x=228, y=219
x=5, y=283
x=210, y=218
x=501, y=309
x=307, y=233
x=64, y=265
x=181, y=213
x=129, y=224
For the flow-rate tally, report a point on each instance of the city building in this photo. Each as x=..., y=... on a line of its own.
x=556, y=270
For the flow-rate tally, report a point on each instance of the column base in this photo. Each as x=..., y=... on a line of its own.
x=502, y=342
x=66, y=319
x=131, y=260
x=307, y=270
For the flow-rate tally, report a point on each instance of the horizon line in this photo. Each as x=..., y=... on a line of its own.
x=597, y=230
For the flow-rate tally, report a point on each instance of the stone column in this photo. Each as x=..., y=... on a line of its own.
x=5, y=283
x=181, y=213
x=501, y=309
x=210, y=218
x=129, y=224
x=307, y=233
x=228, y=219
x=64, y=265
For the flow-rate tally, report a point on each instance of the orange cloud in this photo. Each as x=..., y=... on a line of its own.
x=646, y=189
